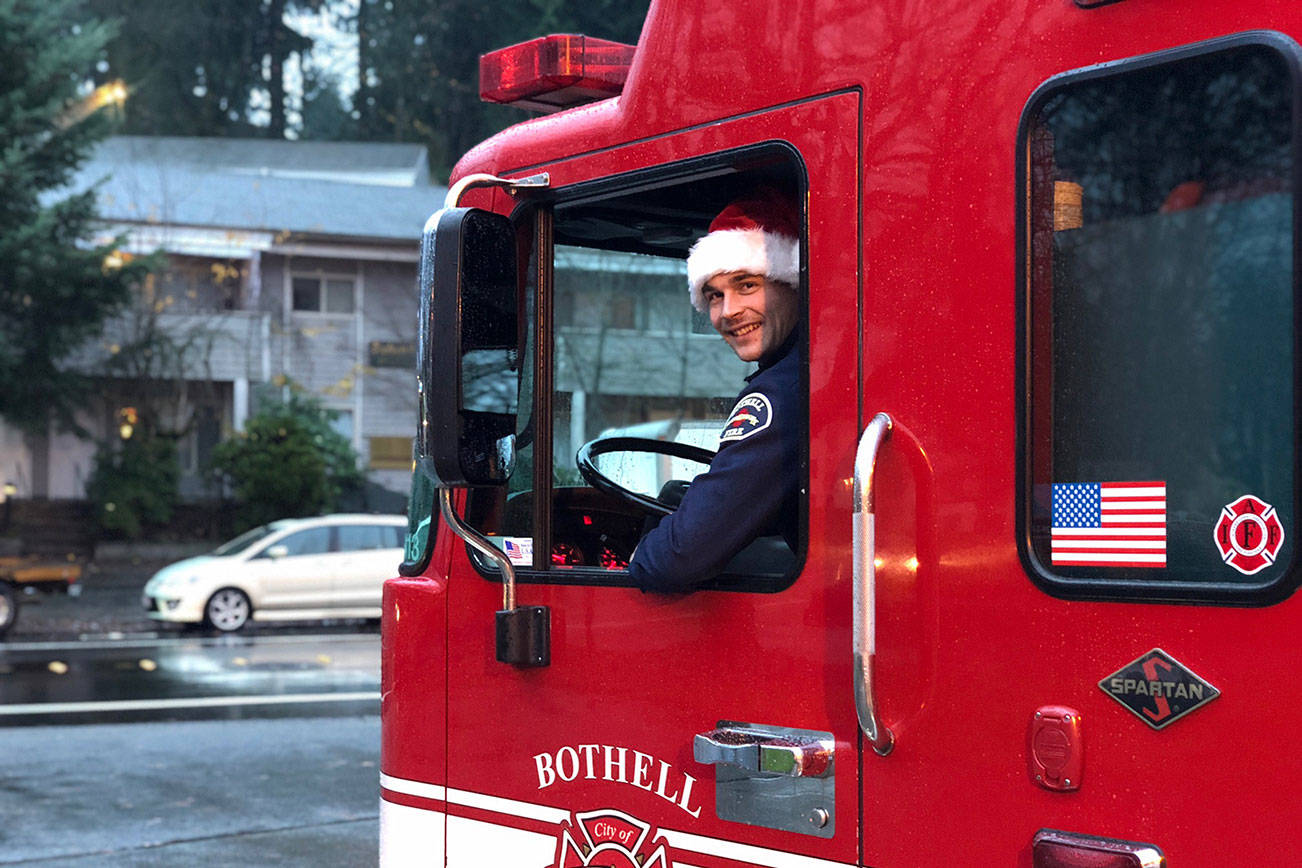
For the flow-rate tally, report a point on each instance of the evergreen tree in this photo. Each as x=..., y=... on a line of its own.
x=418, y=63
x=55, y=287
x=204, y=67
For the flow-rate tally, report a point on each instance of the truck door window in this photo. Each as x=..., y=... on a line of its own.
x=618, y=350
x=628, y=362
x=1158, y=322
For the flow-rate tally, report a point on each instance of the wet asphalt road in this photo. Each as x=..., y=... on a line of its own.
x=173, y=678
x=96, y=657
x=284, y=792
x=129, y=743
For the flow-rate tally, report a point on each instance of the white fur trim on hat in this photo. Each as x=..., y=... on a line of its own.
x=754, y=251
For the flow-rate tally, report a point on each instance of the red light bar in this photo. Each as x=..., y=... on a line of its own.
x=1054, y=849
x=554, y=72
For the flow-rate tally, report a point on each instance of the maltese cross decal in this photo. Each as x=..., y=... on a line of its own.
x=610, y=839
x=1249, y=534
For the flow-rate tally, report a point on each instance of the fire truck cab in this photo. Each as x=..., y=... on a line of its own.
x=1040, y=608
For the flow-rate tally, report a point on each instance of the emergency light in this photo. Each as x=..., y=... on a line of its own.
x=554, y=72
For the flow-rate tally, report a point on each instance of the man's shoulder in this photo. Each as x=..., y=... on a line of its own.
x=769, y=399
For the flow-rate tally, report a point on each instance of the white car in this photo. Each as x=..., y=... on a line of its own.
x=330, y=566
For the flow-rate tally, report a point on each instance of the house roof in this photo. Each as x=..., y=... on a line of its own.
x=400, y=165
x=353, y=190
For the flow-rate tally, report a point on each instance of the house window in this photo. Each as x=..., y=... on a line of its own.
x=390, y=453
x=320, y=294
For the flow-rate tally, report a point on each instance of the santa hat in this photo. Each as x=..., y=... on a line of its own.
x=758, y=235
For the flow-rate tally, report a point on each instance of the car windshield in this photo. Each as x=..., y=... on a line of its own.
x=244, y=540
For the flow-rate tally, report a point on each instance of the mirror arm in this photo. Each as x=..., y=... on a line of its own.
x=481, y=544
x=483, y=179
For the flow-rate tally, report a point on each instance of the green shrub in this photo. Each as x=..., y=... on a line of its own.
x=287, y=462
x=134, y=485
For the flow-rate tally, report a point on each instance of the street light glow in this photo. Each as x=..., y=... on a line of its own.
x=113, y=93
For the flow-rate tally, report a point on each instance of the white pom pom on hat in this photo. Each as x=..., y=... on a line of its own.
x=759, y=234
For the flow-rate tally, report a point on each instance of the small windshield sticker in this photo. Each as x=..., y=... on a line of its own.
x=519, y=549
x=1158, y=689
x=610, y=838
x=1249, y=534
x=752, y=414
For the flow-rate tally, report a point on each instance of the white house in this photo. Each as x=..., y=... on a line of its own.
x=287, y=260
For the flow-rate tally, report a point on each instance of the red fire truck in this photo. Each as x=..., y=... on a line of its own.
x=1040, y=610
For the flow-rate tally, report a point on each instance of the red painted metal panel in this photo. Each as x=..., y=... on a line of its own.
x=968, y=647
x=413, y=673
x=644, y=672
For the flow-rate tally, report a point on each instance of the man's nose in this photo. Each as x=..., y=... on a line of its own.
x=731, y=304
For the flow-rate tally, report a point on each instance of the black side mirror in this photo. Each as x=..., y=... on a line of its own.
x=469, y=353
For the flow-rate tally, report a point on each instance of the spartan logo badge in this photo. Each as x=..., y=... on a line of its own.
x=1158, y=689
x=610, y=839
x=752, y=414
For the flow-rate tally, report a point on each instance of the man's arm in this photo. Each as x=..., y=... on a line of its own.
x=725, y=509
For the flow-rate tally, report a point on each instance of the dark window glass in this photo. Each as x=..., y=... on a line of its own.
x=307, y=293
x=315, y=541
x=1161, y=304
x=361, y=537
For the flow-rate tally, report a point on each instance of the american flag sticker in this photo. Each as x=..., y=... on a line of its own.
x=519, y=549
x=1109, y=524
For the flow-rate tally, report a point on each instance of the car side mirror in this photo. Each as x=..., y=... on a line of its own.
x=469, y=348
x=277, y=552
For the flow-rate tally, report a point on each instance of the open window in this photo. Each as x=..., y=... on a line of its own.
x=1158, y=226
x=613, y=348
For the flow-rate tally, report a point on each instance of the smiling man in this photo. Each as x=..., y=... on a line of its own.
x=744, y=274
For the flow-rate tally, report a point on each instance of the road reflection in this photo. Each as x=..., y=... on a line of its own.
x=184, y=678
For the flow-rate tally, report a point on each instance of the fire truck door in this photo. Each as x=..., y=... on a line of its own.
x=595, y=759
x=1086, y=508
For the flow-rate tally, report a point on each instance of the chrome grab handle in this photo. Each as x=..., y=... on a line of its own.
x=865, y=584
x=758, y=751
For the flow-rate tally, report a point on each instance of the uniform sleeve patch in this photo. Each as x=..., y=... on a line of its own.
x=752, y=414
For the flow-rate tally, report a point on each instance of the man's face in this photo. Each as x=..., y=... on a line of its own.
x=754, y=314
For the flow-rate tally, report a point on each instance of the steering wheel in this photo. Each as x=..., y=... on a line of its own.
x=644, y=502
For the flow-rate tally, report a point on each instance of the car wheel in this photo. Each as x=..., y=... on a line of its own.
x=227, y=610
x=8, y=607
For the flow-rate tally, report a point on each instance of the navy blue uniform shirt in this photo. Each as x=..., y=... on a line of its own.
x=751, y=490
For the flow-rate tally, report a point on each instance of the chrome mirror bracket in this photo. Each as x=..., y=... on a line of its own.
x=522, y=634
